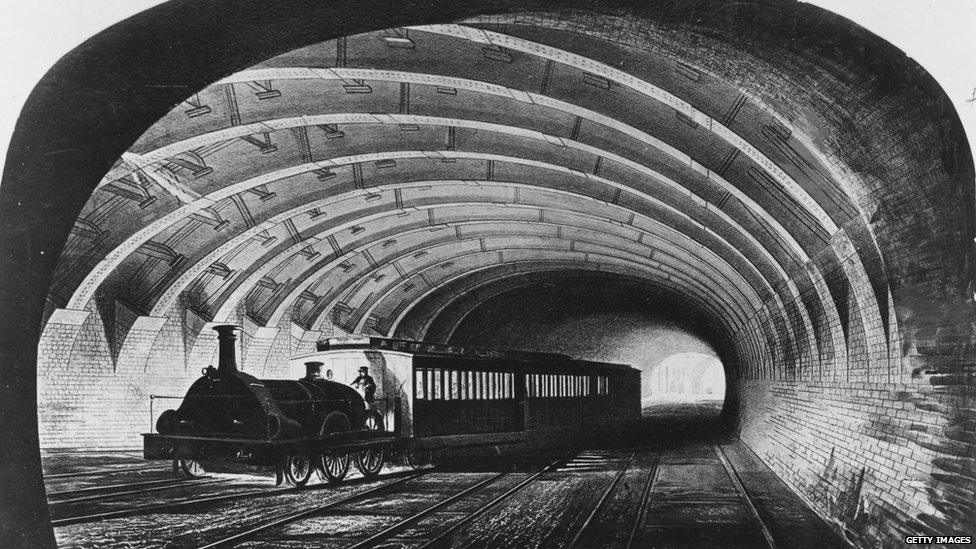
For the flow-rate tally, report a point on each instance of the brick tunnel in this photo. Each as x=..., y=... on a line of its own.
x=783, y=192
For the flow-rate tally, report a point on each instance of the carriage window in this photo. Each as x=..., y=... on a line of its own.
x=420, y=388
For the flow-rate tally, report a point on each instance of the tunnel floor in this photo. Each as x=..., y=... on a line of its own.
x=679, y=484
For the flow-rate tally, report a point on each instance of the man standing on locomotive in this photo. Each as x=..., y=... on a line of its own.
x=365, y=385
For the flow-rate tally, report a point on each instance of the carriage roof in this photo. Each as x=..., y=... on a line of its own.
x=420, y=348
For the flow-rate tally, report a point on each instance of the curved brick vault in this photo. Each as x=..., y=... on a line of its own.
x=796, y=187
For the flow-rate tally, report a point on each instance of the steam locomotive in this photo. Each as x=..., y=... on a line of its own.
x=228, y=408
x=430, y=400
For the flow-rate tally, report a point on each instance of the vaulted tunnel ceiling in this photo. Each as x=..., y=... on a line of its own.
x=364, y=181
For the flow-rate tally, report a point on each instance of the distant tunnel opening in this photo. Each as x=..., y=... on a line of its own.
x=686, y=383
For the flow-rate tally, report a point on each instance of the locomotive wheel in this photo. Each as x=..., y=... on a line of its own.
x=298, y=469
x=333, y=466
x=370, y=462
x=191, y=468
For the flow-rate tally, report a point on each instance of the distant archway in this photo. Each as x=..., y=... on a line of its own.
x=684, y=378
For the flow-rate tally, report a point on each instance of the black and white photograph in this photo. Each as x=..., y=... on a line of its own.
x=418, y=274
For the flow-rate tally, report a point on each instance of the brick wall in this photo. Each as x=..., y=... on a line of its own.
x=877, y=435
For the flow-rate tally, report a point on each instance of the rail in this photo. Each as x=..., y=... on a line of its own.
x=744, y=495
x=602, y=503
x=292, y=517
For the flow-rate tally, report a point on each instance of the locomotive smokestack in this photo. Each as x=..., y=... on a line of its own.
x=226, y=353
x=313, y=370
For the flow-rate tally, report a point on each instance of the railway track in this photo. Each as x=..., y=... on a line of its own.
x=645, y=499
x=444, y=535
x=101, y=472
x=88, y=494
x=402, y=525
x=109, y=488
x=189, y=503
x=591, y=518
x=230, y=541
x=625, y=497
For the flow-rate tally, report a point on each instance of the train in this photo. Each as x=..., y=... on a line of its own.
x=429, y=400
